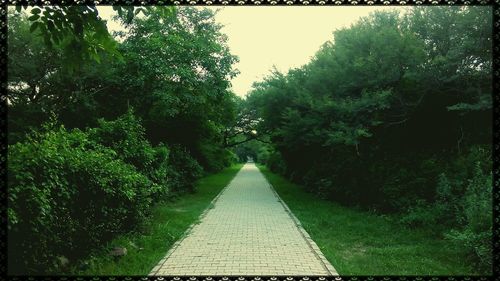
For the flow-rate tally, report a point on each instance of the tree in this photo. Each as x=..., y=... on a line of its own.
x=178, y=86
x=377, y=113
x=79, y=31
x=175, y=72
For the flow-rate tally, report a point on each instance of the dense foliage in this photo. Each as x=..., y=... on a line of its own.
x=138, y=120
x=67, y=192
x=175, y=73
x=79, y=32
x=393, y=115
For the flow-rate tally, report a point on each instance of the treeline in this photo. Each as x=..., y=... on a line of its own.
x=93, y=146
x=394, y=115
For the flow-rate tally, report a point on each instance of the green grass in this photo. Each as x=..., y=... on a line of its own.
x=361, y=243
x=167, y=224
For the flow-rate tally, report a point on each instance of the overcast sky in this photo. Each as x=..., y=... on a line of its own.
x=286, y=37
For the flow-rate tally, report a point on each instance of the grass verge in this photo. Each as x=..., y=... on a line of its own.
x=361, y=243
x=168, y=222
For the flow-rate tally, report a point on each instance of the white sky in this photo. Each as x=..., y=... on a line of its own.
x=284, y=36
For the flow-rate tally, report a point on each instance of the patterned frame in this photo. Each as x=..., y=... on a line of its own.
x=496, y=132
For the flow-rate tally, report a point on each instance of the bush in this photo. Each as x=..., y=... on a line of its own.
x=214, y=158
x=466, y=209
x=184, y=170
x=232, y=158
x=440, y=214
x=68, y=194
x=318, y=183
x=476, y=235
x=422, y=214
x=126, y=136
x=464, y=167
x=159, y=171
x=263, y=154
x=276, y=163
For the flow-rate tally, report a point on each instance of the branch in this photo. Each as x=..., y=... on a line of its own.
x=460, y=140
x=239, y=142
x=247, y=140
x=396, y=123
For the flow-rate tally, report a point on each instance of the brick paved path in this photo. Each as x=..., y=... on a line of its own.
x=249, y=231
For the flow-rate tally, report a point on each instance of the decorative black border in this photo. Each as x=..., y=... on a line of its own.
x=251, y=2
x=3, y=139
x=496, y=132
x=496, y=136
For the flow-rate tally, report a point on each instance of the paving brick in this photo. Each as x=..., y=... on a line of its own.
x=247, y=232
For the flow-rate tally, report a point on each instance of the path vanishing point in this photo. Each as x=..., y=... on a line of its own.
x=247, y=230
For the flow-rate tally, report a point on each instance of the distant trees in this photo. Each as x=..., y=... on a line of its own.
x=388, y=109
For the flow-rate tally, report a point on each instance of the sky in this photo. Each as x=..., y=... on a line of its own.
x=282, y=36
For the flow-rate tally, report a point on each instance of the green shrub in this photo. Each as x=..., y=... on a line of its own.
x=276, y=163
x=68, y=195
x=422, y=214
x=232, y=158
x=213, y=157
x=466, y=210
x=263, y=154
x=319, y=184
x=406, y=180
x=184, y=170
x=477, y=220
x=437, y=215
x=464, y=167
x=447, y=201
x=126, y=136
x=159, y=171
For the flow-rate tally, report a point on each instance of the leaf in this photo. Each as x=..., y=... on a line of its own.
x=119, y=10
x=34, y=17
x=55, y=37
x=34, y=26
x=36, y=11
x=50, y=25
x=59, y=23
x=130, y=17
x=78, y=28
x=48, y=42
x=138, y=11
x=94, y=55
